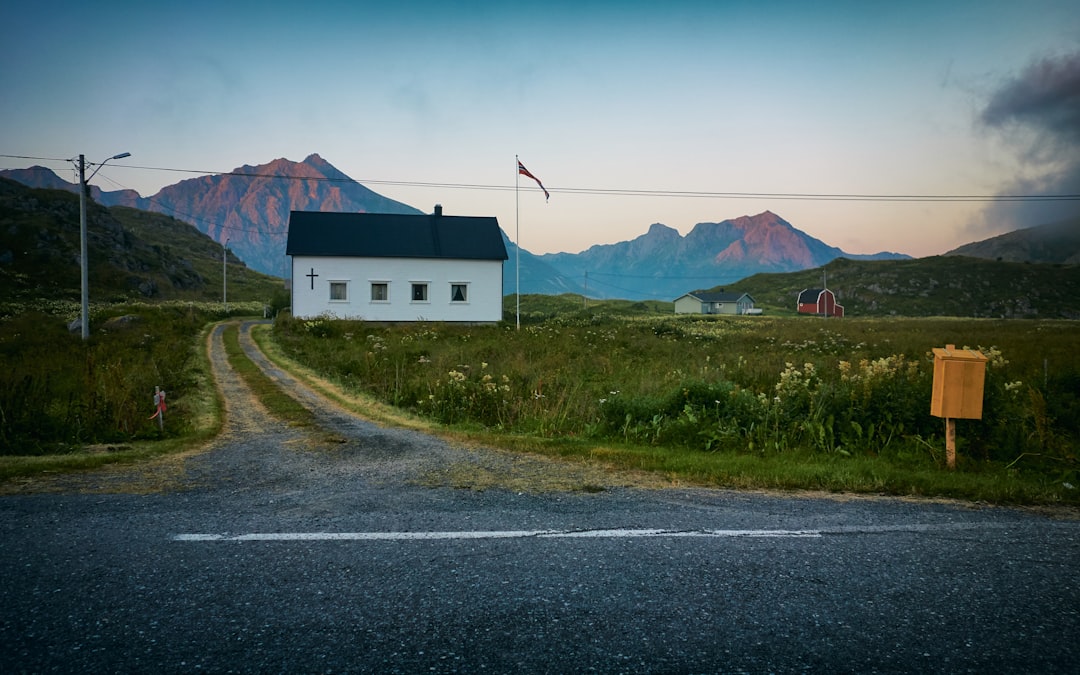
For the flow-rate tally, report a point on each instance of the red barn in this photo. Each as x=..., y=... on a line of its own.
x=820, y=301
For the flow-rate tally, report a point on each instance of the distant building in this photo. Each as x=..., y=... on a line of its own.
x=394, y=267
x=702, y=302
x=820, y=301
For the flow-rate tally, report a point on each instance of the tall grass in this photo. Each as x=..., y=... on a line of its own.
x=755, y=385
x=58, y=392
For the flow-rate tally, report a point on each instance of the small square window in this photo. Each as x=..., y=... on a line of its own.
x=380, y=292
x=459, y=292
x=339, y=290
x=419, y=292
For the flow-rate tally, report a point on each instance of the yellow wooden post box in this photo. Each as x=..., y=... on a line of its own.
x=958, y=383
x=958, y=391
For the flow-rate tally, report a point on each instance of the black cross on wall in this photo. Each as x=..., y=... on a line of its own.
x=312, y=277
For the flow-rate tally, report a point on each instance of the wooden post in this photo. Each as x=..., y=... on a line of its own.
x=950, y=442
x=959, y=376
x=159, y=405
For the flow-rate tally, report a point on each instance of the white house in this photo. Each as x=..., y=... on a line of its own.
x=708, y=302
x=395, y=267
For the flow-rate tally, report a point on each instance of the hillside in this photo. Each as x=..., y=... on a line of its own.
x=133, y=254
x=1052, y=243
x=935, y=286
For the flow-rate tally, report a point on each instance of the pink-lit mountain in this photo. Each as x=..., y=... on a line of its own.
x=249, y=207
x=662, y=264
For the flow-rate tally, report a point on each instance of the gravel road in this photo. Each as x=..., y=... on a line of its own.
x=356, y=548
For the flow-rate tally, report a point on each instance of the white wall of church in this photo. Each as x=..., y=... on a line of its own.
x=342, y=287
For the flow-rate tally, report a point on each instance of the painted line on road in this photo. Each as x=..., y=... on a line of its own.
x=497, y=534
x=617, y=533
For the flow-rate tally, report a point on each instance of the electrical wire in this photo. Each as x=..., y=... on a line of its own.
x=619, y=192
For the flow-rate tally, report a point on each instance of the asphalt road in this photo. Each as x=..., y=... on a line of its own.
x=278, y=550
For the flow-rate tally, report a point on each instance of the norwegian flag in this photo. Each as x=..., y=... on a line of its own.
x=525, y=172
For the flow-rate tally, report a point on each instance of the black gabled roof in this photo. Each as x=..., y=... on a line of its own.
x=810, y=295
x=717, y=296
x=392, y=235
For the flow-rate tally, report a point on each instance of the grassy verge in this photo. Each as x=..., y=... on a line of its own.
x=790, y=471
x=912, y=469
x=202, y=402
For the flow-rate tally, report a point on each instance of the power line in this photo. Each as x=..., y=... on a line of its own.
x=805, y=196
x=619, y=192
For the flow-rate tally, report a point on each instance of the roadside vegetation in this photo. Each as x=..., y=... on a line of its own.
x=743, y=402
x=67, y=404
x=761, y=402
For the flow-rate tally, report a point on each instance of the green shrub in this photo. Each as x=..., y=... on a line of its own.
x=757, y=385
x=61, y=392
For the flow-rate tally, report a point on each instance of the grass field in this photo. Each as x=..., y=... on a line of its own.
x=742, y=401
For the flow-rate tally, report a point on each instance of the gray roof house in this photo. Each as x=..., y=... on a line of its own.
x=713, y=302
x=396, y=267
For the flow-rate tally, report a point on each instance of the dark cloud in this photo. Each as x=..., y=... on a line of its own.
x=1038, y=111
x=1046, y=96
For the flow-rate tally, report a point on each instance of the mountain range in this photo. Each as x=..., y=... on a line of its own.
x=662, y=264
x=249, y=208
x=138, y=254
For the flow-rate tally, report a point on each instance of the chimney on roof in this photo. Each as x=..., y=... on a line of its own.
x=438, y=210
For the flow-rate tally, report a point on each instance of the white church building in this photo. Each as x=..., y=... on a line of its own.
x=396, y=267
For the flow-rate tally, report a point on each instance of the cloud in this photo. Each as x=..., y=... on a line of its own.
x=1038, y=113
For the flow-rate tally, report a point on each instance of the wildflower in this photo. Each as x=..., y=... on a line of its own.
x=845, y=369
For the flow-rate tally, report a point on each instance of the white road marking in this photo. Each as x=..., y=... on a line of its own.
x=619, y=533
x=498, y=534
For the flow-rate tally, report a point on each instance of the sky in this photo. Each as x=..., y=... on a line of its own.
x=620, y=108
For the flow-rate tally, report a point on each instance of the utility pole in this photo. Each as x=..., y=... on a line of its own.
x=85, y=272
x=825, y=286
x=83, y=256
x=224, y=285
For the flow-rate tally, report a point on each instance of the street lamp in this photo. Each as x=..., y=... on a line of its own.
x=82, y=237
x=224, y=287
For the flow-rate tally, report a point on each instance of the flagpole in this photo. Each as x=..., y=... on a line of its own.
x=517, y=242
